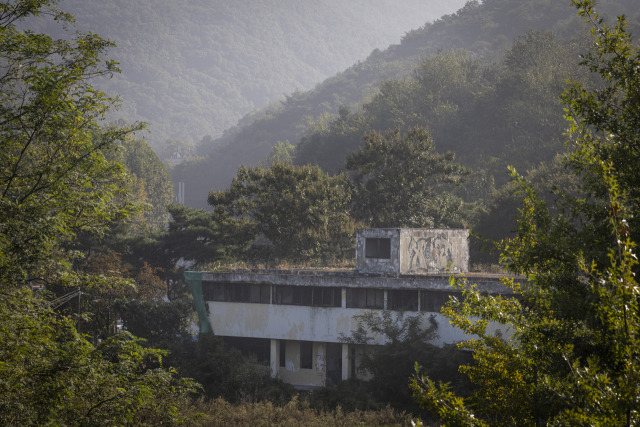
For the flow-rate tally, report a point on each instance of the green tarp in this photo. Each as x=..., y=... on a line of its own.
x=194, y=280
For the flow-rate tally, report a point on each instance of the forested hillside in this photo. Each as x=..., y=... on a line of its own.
x=95, y=316
x=494, y=101
x=193, y=68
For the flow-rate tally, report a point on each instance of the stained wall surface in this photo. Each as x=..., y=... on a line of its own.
x=412, y=251
x=300, y=323
x=428, y=251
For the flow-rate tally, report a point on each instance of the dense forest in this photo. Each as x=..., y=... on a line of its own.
x=530, y=138
x=464, y=76
x=192, y=69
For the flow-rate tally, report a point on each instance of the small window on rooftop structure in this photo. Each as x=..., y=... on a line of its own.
x=376, y=247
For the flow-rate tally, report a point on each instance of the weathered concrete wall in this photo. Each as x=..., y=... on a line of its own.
x=302, y=323
x=292, y=373
x=323, y=325
x=428, y=251
x=378, y=265
x=352, y=279
x=414, y=251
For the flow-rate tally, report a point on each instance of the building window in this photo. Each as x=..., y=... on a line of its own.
x=306, y=354
x=236, y=292
x=283, y=353
x=313, y=296
x=365, y=298
x=403, y=300
x=327, y=297
x=377, y=247
x=260, y=347
x=433, y=301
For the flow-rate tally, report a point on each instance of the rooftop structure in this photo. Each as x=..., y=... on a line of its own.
x=296, y=319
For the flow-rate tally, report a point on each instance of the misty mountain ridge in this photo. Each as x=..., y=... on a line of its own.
x=486, y=30
x=194, y=68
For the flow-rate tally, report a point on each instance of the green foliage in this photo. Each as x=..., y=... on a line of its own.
x=199, y=236
x=50, y=375
x=329, y=139
x=54, y=177
x=493, y=128
x=390, y=366
x=57, y=180
x=149, y=183
x=296, y=412
x=281, y=152
x=225, y=373
x=498, y=220
x=400, y=181
x=571, y=354
x=302, y=212
x=155, y=320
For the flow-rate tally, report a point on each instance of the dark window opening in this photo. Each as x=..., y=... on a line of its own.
x=283, y=353
x=375, y=247
x=313, y=296
x=433, y=301
x=403, y=300
x=236, y=292
x=334, y=363
x=365, y=298
x=260, y=347
x=306, y=354
x=352, y=374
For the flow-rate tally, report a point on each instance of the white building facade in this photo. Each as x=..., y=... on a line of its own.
x=297, y=319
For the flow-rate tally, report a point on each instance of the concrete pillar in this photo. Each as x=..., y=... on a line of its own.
x=345, y=361
x=274, y=358
x=343, y=298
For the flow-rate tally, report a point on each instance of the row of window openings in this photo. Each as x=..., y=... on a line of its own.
x=314, y=296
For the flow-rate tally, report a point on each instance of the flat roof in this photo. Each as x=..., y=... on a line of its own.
x=354, y=279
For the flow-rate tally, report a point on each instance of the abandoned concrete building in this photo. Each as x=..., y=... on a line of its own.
x=295, y=319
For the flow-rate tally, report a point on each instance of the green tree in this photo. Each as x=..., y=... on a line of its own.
x=297, y=213
x=199, y=237
x=149, y=182
x=388, y=366
x=329, y=139
x=55, y=182
x=401, y=181
x=571, y=357
x=50, y=375
x=155, y=320
x=281, y=152
x=225, y=372
x=54, y=177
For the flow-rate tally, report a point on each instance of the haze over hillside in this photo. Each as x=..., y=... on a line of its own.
x=466, y=110
x=192, y=68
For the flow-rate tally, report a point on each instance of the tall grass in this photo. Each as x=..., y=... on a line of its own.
x=219, y=412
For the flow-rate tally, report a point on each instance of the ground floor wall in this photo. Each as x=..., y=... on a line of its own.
x=305, y=364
